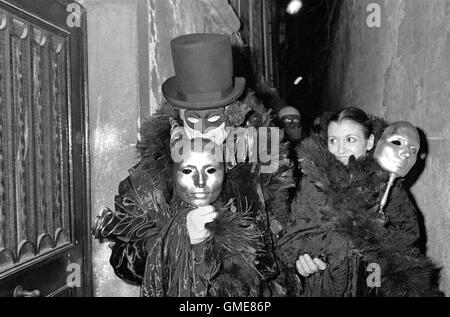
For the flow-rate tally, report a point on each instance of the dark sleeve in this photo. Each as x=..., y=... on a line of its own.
x=310, y=233
x=302, y=234
x=133, y=235
x=128, y=260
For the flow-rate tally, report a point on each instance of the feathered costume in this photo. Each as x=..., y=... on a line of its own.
x=152, y=246
x=335, y=218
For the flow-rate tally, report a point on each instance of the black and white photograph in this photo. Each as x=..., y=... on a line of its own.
x=244, y=151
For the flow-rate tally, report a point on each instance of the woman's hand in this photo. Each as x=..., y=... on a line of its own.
x=307, y=266
x=195, y=222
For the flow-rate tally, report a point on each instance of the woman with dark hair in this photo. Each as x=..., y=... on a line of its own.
x=337, y=242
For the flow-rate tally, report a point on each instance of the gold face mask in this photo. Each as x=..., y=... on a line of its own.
x=198, y=171
x=397, y=149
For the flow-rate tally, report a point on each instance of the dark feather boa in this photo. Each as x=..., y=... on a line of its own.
x=221, y=266
x=153, y=148
x=236, y=244
x=345, y=224
x=279, y=188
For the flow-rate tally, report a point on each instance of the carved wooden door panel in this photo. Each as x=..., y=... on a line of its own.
x=44, y=238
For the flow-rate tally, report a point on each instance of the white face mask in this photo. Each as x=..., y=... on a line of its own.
x=218, y=135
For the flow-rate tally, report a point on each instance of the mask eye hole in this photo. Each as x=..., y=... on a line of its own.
x=214, y=118
x=211, y=170
x=186, y=171
x=289, y=121
x=398, y=140
x=193, y=120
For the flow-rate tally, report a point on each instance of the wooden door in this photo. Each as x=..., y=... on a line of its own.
x=44, y=235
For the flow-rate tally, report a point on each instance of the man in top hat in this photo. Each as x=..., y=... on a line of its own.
x=145, y=226
x=203, y=83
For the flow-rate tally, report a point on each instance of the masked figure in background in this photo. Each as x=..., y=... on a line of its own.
x=290, y=121
x=205, y=96
x=338, y=242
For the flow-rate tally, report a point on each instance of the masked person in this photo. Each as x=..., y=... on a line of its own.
x=204, y=94
x=338, y=242
x=290, y=120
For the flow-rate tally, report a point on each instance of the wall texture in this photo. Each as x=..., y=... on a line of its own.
x=129, y=59
x=401, y=70
x=113, y=102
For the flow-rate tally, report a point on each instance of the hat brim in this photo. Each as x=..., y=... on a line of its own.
x=171, y=94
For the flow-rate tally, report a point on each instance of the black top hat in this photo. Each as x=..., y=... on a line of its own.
x=203, y=78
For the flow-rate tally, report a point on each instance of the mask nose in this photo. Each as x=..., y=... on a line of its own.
x=200, y=180
x=204, y=126
x=200, y=126
x=406, y=153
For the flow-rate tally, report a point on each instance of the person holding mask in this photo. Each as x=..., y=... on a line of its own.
x=338, y=243
x=151, y=228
